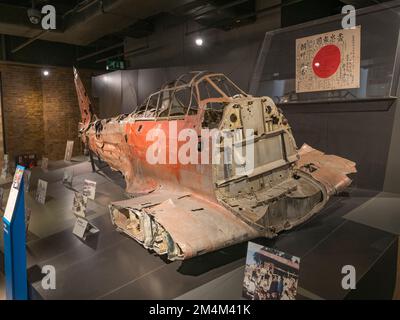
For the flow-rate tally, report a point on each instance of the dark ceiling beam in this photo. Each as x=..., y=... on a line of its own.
x=224, y=7
x=76, y=16
x=81, y=6
x=361, y=3
x=15, y=15
x=3, y=47
x=241, y=17
x=124, y=54
x=100, y=51
x=28, y=42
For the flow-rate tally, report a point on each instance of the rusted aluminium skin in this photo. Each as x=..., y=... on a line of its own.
x=187, y=210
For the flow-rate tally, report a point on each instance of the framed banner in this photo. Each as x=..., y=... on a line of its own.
x=328, y=61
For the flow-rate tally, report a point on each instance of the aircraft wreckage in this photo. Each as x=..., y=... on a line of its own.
x=185, y=210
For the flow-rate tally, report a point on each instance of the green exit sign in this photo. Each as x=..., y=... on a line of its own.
x=114, y=64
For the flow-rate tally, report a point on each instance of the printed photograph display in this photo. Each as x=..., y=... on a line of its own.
x=270, y=274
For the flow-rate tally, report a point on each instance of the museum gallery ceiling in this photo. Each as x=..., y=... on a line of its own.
x=188, y=153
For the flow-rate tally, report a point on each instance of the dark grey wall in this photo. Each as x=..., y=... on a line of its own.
x=360, y=131
x=119, y=91
x=173, y=42
x=116, y=92
x=171, y=51
x=236, y=60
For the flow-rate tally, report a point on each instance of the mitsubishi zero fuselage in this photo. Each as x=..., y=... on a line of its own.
x=186, y=208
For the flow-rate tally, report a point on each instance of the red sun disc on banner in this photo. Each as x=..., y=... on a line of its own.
x=326, y=61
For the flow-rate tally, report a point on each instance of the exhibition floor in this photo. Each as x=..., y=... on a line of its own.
x=110, y=265
x=56, y=215
x=372, y=252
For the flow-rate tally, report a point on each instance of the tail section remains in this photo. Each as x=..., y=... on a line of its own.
x=85, y=104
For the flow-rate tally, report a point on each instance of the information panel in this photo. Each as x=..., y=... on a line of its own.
x=15, y=240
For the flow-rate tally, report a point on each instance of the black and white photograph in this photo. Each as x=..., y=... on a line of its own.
x=27, y=180
x=89, y=189
x=80, y=204
x=270, y=274
x=68, y=150
x=45, y=163
x=5, y=173
x=41, y=191
x=68, y=177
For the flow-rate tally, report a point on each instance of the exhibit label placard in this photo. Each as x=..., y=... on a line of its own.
x=80, y=227
x=68, y=177
x=68, y=150
x=41, y=191
x=328, y=61
x=84, y=228
x=45, y=163
x=5, y=169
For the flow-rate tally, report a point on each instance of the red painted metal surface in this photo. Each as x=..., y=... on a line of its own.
x=184, y=210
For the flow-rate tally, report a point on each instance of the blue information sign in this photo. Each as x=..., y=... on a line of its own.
x=15, y=240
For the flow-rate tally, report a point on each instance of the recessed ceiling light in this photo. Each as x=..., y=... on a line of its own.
x=46, y=73
x=199, y=42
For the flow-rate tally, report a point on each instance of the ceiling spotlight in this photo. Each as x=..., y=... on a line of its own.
x=46, y=73
x=199, y=42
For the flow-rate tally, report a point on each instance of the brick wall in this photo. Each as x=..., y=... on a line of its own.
x=61, y=112
x=40, y=113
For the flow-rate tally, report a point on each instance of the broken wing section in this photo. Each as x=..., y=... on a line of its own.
x=330, y=170
x=179, y=225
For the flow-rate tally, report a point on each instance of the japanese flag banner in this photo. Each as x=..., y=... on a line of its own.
x=328, y=61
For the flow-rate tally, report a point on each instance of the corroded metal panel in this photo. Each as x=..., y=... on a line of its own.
x=184, y=209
